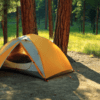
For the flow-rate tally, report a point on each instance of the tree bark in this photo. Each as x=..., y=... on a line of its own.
x=5, y=21
x=34, y=14
x=50, y=19
x=28, y=13
x=2, y=24
x=45, y=14
x=17, y=24
x=63, y=24
x=53, y=15
x=84, y=17
x=97, y=20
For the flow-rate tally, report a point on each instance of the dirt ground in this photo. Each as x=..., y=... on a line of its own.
x=84, y=83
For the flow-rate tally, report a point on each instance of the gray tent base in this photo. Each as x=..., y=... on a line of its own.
x=25, y=72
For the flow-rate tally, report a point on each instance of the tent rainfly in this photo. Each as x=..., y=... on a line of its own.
x=35, y=55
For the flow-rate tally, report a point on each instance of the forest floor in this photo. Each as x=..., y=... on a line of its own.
x=82, y=84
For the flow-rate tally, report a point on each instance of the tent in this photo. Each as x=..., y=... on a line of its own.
x=43, y=58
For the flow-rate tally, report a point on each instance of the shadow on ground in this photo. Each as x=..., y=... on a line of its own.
x=16, y=86
x=89, y=81
x=84, y=70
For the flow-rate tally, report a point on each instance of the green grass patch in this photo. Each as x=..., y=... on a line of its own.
x=92, y=48
x=44, y=33
x=87, y=43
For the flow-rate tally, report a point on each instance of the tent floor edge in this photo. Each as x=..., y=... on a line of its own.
x=19, y=71
x=46, y=80
x=60, y=74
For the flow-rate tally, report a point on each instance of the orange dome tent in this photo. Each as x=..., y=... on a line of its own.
x=44, y=58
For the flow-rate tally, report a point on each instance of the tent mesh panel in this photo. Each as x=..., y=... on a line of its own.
x=18, y=55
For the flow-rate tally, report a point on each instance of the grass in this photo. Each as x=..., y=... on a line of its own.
x=88, y=43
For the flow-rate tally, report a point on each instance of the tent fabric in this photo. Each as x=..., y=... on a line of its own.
x=5, y=54
x=47, y=59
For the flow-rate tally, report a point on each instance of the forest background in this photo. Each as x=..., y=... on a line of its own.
x=84, y=23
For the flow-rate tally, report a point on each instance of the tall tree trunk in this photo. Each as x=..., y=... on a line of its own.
x=29, y=24
x=63, y=24
x=46, y=14
x=97, y=20
x=2, y=24
x=50, y=18
x=5, y=21
x=53, y=15
x=17, y=24
x=34, y=15
x=84, y=17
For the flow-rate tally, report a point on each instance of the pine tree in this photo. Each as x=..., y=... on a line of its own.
x=50, y=18
x=63, y=24
x=17, y=23
x=5, y=21
x=28, y=13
